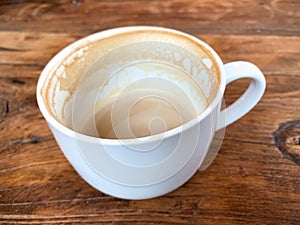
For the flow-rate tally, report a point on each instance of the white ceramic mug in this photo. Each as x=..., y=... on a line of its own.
x=146, y=167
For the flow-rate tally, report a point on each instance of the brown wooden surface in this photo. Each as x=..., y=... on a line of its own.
x=250, y=182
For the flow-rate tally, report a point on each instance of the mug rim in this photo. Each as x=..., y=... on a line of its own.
x=79, y=44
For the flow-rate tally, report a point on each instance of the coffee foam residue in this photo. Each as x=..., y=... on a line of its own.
x=64, y=79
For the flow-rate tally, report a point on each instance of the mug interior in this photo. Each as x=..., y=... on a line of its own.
x=71, y=81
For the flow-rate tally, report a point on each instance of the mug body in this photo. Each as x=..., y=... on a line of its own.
x=98, y=163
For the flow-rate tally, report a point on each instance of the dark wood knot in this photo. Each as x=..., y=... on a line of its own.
x=4, y=108
x=287, y=140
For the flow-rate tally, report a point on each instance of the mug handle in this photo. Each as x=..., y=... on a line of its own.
x=234, y=71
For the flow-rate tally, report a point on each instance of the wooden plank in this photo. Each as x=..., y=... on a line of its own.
x=273, y=54
x=194, y=16
x=31, y=48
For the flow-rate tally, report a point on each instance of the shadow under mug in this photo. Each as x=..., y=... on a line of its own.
x=145, y=167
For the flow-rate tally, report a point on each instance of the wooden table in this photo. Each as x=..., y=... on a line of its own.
x=255, y=179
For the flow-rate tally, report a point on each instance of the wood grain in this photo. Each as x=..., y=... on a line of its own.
x=250, y=181
x=280, y=17
x=280, y=54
